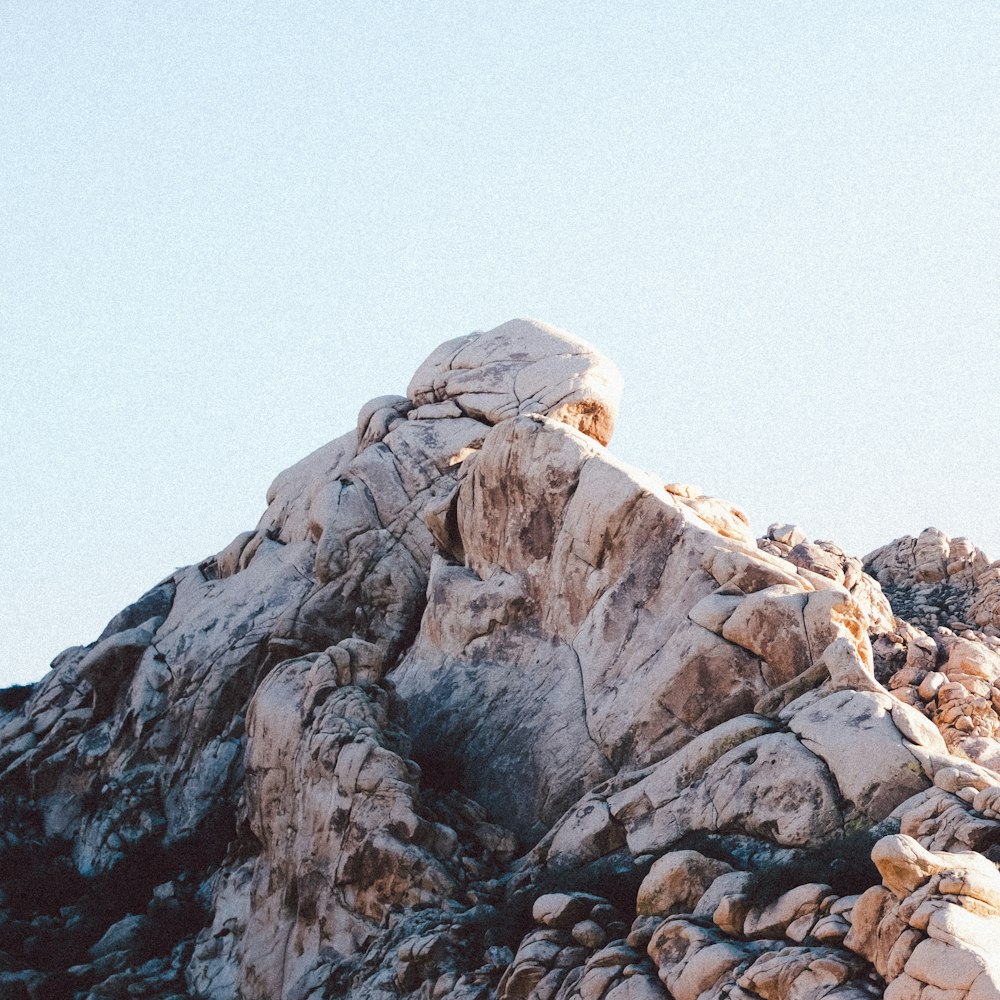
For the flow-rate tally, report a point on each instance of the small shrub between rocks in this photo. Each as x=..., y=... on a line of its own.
x=844, y=863
x=50, y=914
x=168, y=921
x=12, y=698
x=616, y=877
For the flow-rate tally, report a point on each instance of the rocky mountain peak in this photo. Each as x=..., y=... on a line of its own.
x=521, y=367
x=478, y=711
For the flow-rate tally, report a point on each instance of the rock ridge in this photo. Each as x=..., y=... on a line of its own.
x=478, y=711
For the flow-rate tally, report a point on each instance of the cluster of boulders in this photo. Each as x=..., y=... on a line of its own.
x=579, y=950
x=705, y=929
x=478, y=712
x=123, y=933
x=956, y=683
x=934, y=580
x=930, y=929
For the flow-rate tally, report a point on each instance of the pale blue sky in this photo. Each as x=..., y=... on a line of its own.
x=224, y=226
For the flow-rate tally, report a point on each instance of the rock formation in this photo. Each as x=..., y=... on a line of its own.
x=477, y=711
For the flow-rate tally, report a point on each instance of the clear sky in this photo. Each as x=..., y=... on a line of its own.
x=225, y=226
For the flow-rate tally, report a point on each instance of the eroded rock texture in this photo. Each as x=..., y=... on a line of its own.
x=477, y=711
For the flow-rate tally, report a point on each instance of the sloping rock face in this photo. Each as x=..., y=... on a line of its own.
x=477, y=711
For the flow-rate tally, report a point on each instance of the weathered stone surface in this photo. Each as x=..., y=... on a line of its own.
x=522, y=367
x=850, y=729
x=801, y=973
x=774, y=919
x=584, y=645
x=770, y=624
x=941, y=821
x=563, y=910
x=333, y=805
x=933, y=925
x=166, y=699
x=695, y=961
x=676, y=883
x=770, y=785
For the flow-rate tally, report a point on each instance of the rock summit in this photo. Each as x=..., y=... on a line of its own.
x=478, y=711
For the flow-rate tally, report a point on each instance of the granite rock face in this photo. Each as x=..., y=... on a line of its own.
x=478, y=711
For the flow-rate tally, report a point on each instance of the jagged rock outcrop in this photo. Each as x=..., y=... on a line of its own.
x=930, y=928
x=478, y=711
x=935, y=580
x=948, y=592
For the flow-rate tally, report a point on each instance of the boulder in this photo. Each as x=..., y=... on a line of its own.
x=676, y=883
x=521, y=367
